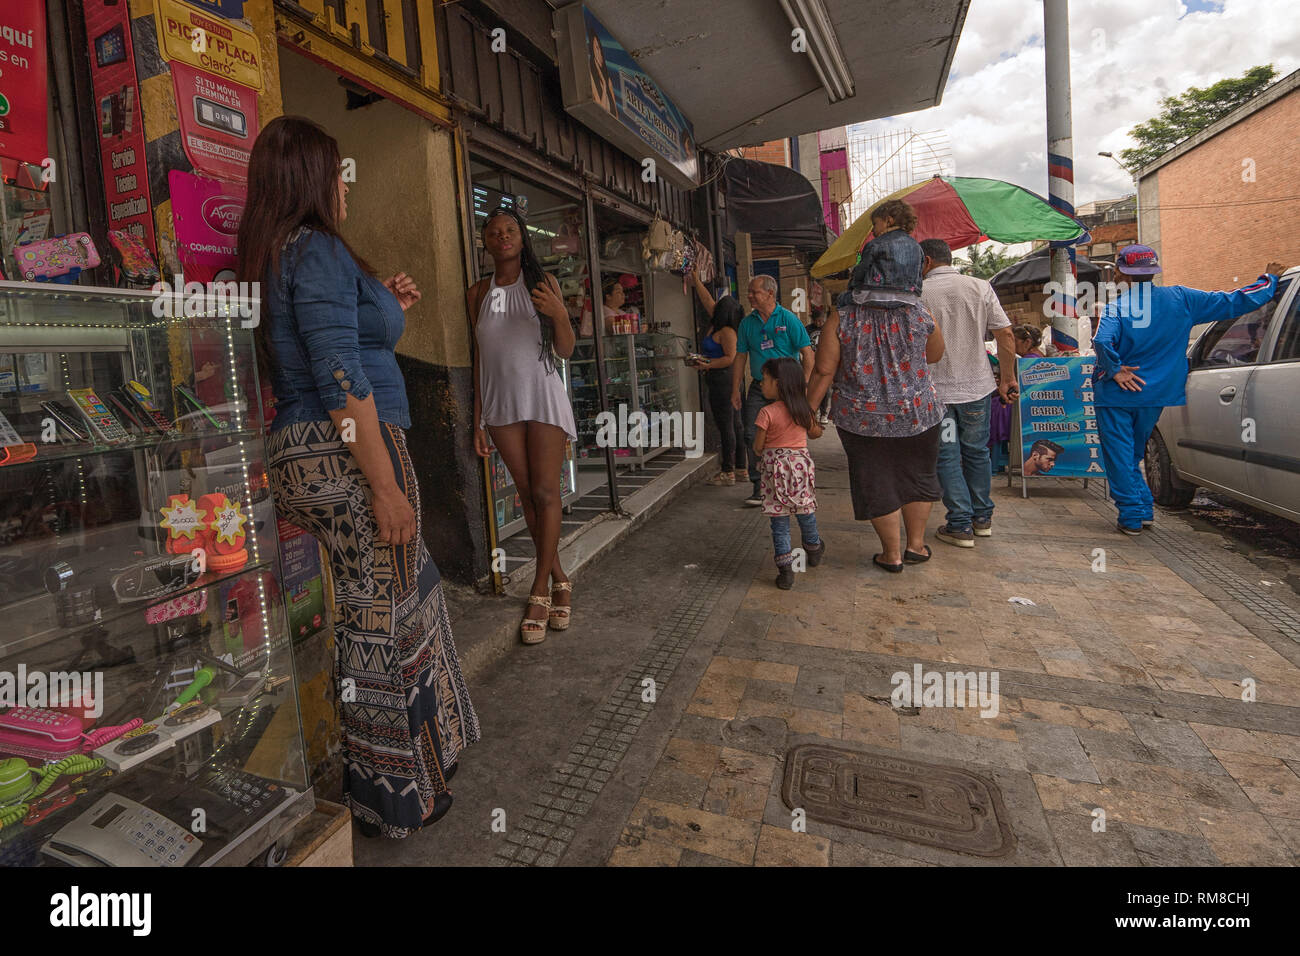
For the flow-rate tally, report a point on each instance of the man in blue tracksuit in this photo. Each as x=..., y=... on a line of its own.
x=1145, y=330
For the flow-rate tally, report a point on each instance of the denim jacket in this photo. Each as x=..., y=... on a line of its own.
x=332, y=333
x=892, y=261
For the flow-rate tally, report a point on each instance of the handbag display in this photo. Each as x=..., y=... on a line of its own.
x=58, y=259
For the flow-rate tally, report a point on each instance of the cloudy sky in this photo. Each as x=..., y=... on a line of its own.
x=1125, y=55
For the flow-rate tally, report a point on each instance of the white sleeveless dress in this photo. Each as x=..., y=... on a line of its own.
x=514, y=383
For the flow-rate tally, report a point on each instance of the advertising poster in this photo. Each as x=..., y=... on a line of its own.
x=304, y=585
x=1058, y=426
x=206, y=213
x=187, y=34
x=23, y=96
x=121, y=129
x=218, y=120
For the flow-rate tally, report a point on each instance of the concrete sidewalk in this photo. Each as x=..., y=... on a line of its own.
x=658, y=730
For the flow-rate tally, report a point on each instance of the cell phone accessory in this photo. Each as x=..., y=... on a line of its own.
x=144, y=398
x=136, y=265
x=57, y=259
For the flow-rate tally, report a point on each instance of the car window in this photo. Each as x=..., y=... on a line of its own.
x=1287, y=348
x=1238, y=341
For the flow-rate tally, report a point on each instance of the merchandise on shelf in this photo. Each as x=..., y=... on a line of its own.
x=140, y=588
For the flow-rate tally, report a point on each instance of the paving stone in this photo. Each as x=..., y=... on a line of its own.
x=1172, y=742
x=819, y=689
x=1054, y=750
x=779, y=846
x=1211, y=790
x=1081, y=845
x=717, y=835
x=851, y=854
x=1157, y=847
x=1102, y=743
x=985, y=751
x=695, y=858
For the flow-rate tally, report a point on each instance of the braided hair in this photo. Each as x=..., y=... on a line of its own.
x=533, y=274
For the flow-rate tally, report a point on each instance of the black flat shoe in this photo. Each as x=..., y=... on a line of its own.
x=816, y=554
x=891, y=568
x=916, y=557
x=450, y=772
x=370, y=830
x=441, y=804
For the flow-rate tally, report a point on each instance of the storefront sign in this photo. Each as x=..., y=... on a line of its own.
x=304, y=585
x=206, y=213
x=605, y=89
x=1058, y=425
x=23, y=97
x=121, y=130
x=189, y=35
x=231, y=9
x=218, y=120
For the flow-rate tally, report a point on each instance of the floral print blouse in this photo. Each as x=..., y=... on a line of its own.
x=883, y=387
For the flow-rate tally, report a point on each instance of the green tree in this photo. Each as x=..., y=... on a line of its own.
x=984, y=263
x=1183, y=116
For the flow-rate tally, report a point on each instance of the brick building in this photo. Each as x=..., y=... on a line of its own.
x=1220, y=206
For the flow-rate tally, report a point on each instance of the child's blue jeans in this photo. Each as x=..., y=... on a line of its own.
x=781, y=536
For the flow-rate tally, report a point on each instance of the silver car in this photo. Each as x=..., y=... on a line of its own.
x=1239, y=432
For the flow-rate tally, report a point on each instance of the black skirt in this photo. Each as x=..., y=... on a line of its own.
x=887, y=473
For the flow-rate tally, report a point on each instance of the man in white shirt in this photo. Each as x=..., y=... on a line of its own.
x=966, y=309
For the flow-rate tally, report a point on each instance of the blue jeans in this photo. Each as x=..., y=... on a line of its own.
x=781, y=535
x=965, y=470
x=754, y=402
x=1124, y=432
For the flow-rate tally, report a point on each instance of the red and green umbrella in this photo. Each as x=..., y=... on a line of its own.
x=961, y=210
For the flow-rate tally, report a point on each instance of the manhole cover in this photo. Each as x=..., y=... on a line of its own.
x=920, y=802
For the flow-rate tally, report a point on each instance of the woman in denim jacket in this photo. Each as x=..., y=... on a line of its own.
x=340, y=469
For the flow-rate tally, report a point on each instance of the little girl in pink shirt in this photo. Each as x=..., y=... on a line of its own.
x=781, y=436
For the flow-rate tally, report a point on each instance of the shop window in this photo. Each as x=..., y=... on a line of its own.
x=25, y=215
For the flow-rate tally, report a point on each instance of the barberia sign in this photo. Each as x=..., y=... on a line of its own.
x=606, y=90
x=189, y=35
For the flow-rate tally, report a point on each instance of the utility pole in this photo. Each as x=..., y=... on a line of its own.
x=1069, y=333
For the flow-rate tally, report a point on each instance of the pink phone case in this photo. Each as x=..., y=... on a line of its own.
x=133, y=257
x=46, y=259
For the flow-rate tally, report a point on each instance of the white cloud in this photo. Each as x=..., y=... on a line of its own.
x=1124, y=57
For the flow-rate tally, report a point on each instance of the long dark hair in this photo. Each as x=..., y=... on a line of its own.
x=531, y=268
x=791, y=387
x=293, y=183
x=727, y=314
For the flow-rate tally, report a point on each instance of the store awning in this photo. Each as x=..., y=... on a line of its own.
x=730, y=68
x=775, y=204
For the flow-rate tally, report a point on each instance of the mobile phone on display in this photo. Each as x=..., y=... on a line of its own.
x=98, y=417
x=193, y=401
x=65, y=420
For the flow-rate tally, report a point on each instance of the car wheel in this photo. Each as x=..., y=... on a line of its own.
x=1168, y=490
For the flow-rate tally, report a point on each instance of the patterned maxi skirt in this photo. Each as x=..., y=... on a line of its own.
x=406, y=711
x=789, y=482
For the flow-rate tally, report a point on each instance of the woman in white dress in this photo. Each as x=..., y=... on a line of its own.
x=521, y=330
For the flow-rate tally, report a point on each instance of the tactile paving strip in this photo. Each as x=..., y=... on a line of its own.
x=548, y=827
x=1282, y=616
x=920, y=802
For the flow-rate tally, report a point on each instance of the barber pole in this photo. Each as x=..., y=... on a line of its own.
x=1069, y=333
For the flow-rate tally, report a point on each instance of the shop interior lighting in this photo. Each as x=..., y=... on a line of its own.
x=823, y=46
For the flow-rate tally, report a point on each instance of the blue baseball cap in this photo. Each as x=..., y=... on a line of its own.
x=1137, y=261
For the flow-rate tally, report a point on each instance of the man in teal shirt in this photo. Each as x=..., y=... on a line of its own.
x=770, y=331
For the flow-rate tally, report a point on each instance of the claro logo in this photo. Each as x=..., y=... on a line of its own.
x=222, y=213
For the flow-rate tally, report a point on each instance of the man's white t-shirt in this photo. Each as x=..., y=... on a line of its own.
x=966, y=309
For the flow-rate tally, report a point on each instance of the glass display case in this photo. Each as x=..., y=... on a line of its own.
x=640, y=375
x=148, y=701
